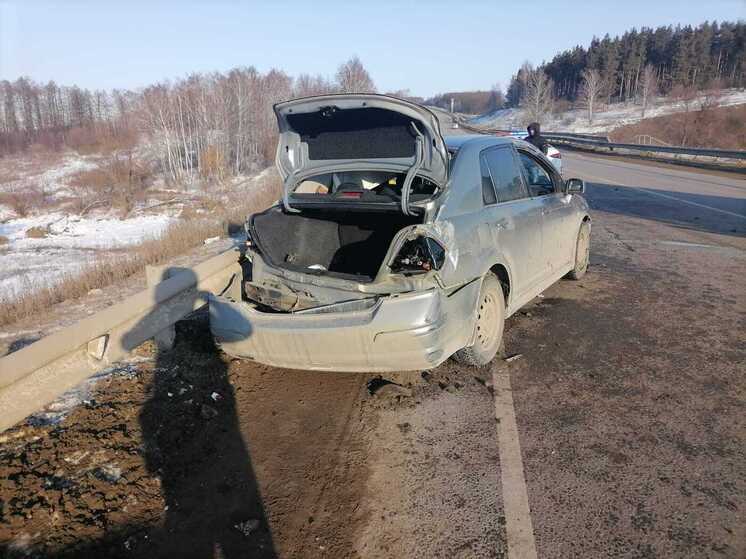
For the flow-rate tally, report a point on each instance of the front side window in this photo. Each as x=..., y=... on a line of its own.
x=538, y=179
x=505, y=174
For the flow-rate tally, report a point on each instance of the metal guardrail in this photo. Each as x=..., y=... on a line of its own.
x=611, y=146
x=603, y=145
x=594, y=137
x=549, y=135
x=37, y=374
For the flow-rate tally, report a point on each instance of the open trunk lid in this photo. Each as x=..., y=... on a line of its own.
x=358, y=132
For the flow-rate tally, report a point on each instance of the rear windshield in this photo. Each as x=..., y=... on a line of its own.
x=363, y=186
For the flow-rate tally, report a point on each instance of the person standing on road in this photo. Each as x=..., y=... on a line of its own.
x=535, y=137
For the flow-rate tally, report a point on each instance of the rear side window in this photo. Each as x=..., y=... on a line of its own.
x=506, y=175
x=488, y=189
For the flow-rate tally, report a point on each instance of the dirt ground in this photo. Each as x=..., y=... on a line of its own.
x=629, y=395
x=189, y=455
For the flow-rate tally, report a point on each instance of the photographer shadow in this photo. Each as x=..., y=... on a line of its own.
x=192, y=441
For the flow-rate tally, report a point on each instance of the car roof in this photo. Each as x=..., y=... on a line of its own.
x=455, y=143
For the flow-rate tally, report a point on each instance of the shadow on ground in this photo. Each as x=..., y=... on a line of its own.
x=191, y=442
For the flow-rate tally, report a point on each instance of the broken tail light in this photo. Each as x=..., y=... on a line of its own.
x=419, y=255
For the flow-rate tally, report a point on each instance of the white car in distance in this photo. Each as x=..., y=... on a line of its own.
x=555, y=157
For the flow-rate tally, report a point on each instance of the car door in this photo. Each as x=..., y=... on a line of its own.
x=515, y=218
x=545, y=186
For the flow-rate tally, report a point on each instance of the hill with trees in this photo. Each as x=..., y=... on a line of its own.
x=622, y=80
x=625, y=66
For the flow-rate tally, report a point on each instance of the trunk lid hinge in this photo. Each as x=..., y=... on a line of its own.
x=419, y=157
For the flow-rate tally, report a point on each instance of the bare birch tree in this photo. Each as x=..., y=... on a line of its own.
x=538, y=98
x=213, y=126
x=306, y=85
x=352, y=77
x=648, y=87
x=591, y=90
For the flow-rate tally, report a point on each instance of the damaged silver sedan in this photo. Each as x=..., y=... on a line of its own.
x=392, y=248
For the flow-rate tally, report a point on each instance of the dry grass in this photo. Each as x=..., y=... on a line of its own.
x=8, y=175
x=103, y=140
x=36, y=232
x=29, y=191
x=117, y=171
x=23, y=200
x=30, y=163
x=119, y=182
x=177, y=240
x=717, y=128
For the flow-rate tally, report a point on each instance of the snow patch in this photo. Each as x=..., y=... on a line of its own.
x=55, y=412
x=72, y=242
x=615, y=115
x=52, y=181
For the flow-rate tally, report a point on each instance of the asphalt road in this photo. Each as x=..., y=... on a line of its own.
x=629, y=399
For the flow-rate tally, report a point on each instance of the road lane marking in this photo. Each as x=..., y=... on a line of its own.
x=518, y=525
x=685, y=244
x=611, y=182
x=697, y=204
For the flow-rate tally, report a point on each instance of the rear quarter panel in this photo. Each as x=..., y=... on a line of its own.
x=462, y=207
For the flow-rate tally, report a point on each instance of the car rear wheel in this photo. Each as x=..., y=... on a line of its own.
x=582, y=252
x=490, y=323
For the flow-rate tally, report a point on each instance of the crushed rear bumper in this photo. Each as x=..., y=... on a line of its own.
x=395, y=333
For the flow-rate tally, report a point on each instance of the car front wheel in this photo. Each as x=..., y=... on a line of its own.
x=490, y=323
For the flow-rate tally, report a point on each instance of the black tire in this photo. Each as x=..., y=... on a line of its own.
x=489, y=325
x=582, y=252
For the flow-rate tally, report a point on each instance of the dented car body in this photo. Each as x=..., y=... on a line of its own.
x=376, y=257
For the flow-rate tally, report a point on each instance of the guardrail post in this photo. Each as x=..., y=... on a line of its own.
x=164, y=339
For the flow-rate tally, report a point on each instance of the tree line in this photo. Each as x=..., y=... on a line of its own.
x=471, y=102
x=209, y=125
x=43, y=113
x=673, y=57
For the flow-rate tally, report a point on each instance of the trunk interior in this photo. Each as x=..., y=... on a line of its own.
x=350, y=245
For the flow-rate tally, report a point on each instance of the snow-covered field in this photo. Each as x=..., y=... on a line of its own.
x=66, y=242
x=71, y=243
x=605, y=119
x=53, y=240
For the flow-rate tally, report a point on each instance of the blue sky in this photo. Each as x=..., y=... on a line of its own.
x=427, y=47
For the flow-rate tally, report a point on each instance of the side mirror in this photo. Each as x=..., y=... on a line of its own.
x=574, y=186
